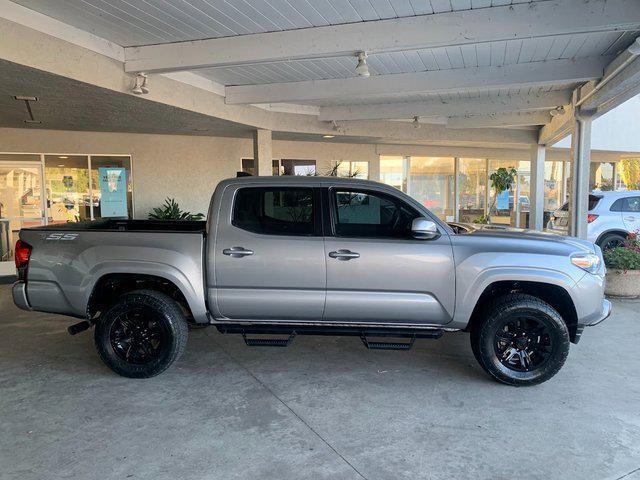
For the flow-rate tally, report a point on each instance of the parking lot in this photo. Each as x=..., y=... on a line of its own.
x=323, y=408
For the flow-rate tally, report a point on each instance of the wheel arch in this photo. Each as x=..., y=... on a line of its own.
x=109, y=286
x=555, y=295
x=617, y=231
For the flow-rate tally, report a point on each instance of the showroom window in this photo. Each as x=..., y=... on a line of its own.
x=352, y=169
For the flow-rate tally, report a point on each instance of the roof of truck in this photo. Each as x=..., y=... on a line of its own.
x=300, y=179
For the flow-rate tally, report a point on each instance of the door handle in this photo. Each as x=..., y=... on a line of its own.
x=344, y=255
x=630, y=219
x=237, y=252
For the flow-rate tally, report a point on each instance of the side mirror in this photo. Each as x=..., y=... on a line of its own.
x=424, y=229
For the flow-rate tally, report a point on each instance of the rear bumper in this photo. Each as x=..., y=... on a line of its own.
x=19, y=293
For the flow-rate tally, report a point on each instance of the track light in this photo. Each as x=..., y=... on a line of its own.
x=140, y=87
x=362, y=69
x=557, y=111
x=416, y=122
x=634, y=48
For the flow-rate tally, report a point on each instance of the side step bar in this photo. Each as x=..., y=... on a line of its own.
x=365, y=334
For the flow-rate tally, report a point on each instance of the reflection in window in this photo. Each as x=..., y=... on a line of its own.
x=67, y=187
x=275, y=211
x=352, y=169
x=432, y=183
x=472, y=183
x=369, y=214
x=393, y=171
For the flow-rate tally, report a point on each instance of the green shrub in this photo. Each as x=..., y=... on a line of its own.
x=626, y=257
x=170, y=210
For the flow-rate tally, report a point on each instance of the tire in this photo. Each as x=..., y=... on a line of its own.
x=521, y=340
x=142, y=334
x=611, y=240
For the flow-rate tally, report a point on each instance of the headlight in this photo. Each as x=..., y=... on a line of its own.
x=586, y=261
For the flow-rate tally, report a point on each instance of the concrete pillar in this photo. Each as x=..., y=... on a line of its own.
x=456, y=189
x=536, y=211
x=262, y=152
x=374, y=168
x=579, y=198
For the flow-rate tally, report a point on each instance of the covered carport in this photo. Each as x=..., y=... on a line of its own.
x=188, y=90
x=473, y=73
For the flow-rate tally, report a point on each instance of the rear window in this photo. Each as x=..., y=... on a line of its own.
x=593, y=201
x=275, y=211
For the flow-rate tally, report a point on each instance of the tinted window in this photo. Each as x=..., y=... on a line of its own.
x=369, y=214
x=617, y=205
x=593, y=201
x=632, y=204
x=275, y=211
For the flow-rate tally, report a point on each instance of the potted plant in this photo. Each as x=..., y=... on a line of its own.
x=501, y=180
x=623, y=268
x=170, y=210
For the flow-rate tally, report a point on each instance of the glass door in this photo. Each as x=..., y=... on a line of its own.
x=20, y=202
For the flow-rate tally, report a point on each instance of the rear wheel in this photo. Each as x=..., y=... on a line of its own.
x=142, y=334
x=522, y=340
x=610, y=241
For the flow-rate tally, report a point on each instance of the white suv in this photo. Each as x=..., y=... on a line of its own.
x=612, y=216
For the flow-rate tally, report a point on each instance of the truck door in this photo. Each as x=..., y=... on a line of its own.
x=376, y=271
x=269, y=255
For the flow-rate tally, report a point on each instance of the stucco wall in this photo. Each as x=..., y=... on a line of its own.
x=184, y=167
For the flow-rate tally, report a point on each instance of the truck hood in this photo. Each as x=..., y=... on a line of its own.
x=500, y=232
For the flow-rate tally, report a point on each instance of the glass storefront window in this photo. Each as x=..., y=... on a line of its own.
x=503, y=208
x=472, y=185
x=298, y=167
x=393, y=171
x=431, y=182
x=601, y=176
x=20, y=198
x=248, y=166
x=99, y=184
x=553, y=178
x=67, y=187
x=352, y=169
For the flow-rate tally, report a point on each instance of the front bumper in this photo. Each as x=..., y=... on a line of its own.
x=19, y=293
x=605, y=313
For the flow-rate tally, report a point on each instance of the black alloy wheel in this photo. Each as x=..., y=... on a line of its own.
x=523, y=343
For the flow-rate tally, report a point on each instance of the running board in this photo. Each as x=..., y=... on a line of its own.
x=387, y=345
x=268, y=342
x=365, y=334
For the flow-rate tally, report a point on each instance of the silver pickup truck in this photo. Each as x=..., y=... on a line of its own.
x=285, y=256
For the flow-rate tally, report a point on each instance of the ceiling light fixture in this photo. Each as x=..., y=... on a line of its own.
x=328, y=136
x=416, y=122
x=362, y=69
x=634, y=48
x=27, y=101
x=557, y=111
x=140, y=86
x=63, y=156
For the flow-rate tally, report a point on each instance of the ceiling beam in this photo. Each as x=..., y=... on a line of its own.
x=524, y=20
x=500, y=120
x=476, y=78
x=437, y=107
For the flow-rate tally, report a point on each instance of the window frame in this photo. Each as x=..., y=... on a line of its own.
x=331, y=205
x=316, y=205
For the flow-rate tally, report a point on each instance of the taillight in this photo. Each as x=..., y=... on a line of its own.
x=22, y=254
x=591, y=217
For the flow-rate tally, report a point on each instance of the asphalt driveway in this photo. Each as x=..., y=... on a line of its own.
x=323, y=408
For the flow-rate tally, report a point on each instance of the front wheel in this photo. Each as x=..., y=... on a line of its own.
x=521, y=340
x=142, y=334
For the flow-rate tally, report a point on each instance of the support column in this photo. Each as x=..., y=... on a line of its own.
x=374, y=168
x=579, y=199
x=262, y=152
x=456, y=189
x=536, y=210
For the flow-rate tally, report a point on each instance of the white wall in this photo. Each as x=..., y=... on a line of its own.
x=617, y=130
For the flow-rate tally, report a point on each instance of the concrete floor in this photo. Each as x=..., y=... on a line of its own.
x=322, y=408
